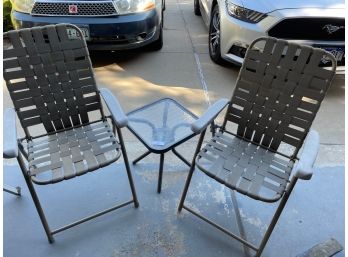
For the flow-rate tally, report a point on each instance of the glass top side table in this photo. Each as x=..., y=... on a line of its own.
x=161, y=126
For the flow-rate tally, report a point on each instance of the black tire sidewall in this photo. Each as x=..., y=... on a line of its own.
x=196, y=8
x=217, y=56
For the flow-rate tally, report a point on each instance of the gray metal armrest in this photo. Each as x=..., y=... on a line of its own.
x=199, y=125
x=117, y=113
x=304, y=167
x=10, y=134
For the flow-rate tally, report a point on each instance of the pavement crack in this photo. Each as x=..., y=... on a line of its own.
x=196, y=57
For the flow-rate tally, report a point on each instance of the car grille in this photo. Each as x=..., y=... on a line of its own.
x=100, y=8
x=309, y=29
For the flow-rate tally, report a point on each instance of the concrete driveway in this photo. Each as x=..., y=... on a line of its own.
x=184, y=71
x=181, y=70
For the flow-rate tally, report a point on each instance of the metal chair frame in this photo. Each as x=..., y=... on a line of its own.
x=22, y=155
x=12, y=190
x=258, y=249
x=247, y=136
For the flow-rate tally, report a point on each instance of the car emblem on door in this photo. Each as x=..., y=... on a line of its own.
x=332, y=28
x=73, y=8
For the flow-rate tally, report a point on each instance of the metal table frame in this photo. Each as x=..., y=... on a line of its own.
x=170, y=147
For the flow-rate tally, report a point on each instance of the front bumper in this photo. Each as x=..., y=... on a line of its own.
x=237, y=35
x=106, y=33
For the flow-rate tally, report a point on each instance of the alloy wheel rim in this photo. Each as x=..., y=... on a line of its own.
x=214, y=36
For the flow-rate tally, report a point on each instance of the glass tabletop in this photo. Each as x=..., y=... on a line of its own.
x=161, y=124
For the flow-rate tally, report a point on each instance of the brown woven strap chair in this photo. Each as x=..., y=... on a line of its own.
x=50, y=80
x=278, y=92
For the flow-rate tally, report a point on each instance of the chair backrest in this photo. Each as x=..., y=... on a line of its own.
x=49, y=77
x=278, y=92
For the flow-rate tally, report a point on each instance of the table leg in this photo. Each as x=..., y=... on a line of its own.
x=159, y=186
x=181, y=157
x=141, y=157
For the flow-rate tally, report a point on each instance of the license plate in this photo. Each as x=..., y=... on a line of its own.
x=73, y=34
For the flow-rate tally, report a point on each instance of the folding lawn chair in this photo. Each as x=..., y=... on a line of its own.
x=50, y=80
x=278, y=92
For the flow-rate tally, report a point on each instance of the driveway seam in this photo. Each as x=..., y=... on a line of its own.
x=196, y=57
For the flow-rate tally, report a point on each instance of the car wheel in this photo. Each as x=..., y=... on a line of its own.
x=196, y=8
x=214, y=37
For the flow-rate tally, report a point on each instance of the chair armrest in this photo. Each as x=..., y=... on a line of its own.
x=304, y=167
x=117, y=113
x=10, y=149
x=199, y=125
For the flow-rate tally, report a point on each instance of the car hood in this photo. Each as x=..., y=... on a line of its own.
x=266, y=6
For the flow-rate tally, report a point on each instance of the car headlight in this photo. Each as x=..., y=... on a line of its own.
x=244, y=14
x=133, y=6
x=22, y=5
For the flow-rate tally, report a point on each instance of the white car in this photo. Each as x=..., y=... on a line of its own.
x=234, y=24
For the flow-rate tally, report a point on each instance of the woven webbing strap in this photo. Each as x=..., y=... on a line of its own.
x=71, y=153
x=245, y=167
x=49, y=77
x=279, y=91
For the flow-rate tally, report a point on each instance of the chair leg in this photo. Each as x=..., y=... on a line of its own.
x=276, y=216
x=242, y=239
x=239, y=222
x=12, y=190
x=192, y=168
x=129, y=173
x=160, y=174
x=187, y=184
x=35, y=199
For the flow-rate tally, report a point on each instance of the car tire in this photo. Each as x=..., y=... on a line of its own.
x=196, y=8
x=214, y=37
